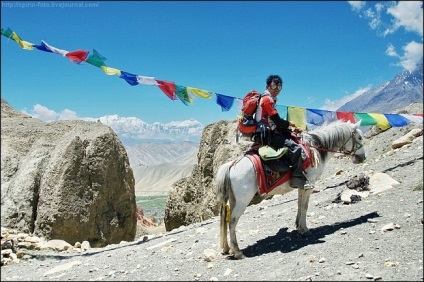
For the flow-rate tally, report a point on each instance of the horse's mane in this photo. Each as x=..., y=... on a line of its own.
x=329, y=135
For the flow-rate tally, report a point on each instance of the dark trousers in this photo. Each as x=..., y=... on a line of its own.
x=278, y=140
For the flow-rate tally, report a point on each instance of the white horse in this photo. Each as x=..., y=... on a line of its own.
x=236, y=181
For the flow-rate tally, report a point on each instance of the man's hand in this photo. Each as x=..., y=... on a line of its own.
x=298, y=130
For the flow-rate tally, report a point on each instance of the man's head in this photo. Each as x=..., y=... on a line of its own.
x=274, y=84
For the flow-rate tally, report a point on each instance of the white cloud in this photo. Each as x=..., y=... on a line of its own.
x=68, y=115
x=47, y=115
x=374, y=18
x=41, y=112
x=356, y=5
x=335, y=104
x=413, y=52
x=379, y=7
x=391, y=51
x=404, y=14
x=409, y=15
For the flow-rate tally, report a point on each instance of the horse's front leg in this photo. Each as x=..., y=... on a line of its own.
x=302, y=209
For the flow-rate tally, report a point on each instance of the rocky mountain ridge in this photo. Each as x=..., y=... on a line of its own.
x=405, y=88
x=148, y=153
x=156, y=166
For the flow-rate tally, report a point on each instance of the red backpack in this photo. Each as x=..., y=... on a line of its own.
x=246, y=120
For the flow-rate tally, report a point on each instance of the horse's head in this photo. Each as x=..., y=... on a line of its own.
x=354, y=146
x=339, y=137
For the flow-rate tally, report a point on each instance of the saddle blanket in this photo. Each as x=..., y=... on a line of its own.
x=269, y=178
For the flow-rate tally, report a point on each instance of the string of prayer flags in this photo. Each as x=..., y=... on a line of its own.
x=186, y=94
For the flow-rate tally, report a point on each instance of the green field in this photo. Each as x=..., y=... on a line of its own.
x=152, y=206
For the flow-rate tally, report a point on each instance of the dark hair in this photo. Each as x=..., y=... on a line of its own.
x=274, y=78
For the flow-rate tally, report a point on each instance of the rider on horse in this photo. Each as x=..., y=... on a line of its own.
x=273, y=130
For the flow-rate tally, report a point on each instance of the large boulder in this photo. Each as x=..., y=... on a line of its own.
x=68, y=180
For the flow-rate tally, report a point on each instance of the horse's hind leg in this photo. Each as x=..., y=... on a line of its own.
x=223, y=229
x=302, y=208
x=236, y=212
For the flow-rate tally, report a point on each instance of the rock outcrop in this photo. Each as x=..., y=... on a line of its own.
x=68, y=180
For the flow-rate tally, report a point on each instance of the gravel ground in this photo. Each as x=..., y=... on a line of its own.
x=348, y=241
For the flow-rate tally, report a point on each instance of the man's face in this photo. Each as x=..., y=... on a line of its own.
x=275, y=88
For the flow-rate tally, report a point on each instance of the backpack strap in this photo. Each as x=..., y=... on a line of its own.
x=257, y=104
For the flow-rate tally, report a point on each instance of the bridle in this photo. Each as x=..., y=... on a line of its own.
x=355, y=146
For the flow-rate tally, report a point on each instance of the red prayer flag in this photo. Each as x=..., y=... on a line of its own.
x=346, y=116
x=77, y=56
x=168, y=88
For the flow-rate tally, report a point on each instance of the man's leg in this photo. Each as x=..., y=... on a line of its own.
x=277, y=141
x=295, y=156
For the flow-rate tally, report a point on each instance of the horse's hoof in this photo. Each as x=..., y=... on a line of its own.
x=239, y=256
x=306, y=234
x=225, y=252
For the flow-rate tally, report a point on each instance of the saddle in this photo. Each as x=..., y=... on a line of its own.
x=274, y=171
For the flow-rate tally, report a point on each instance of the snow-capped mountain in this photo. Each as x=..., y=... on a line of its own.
x=132, y=130
x=406, y=88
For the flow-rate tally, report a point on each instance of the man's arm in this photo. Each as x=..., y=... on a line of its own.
x=279, y=122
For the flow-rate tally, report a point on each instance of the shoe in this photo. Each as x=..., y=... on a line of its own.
x=297, y=182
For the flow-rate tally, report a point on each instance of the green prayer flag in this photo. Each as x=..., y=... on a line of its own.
x=366, y=119
x=181, y=92
x=8, y=32
x=96, y=59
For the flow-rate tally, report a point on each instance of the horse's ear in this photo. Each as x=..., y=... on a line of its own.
x=358, y=124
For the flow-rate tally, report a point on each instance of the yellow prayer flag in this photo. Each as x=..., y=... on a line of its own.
x=111, y=71
x=16, y=37
x=200, y=93
x=381, y=120
x=298, y=116
x=24, y=44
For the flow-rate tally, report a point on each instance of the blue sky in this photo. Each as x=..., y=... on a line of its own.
x=326, y=52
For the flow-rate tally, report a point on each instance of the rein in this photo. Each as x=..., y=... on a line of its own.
x=342, y=148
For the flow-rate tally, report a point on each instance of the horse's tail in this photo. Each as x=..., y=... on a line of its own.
x=223, y=184
x=223, y=187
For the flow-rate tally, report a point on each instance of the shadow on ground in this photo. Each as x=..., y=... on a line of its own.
x=287, y=242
